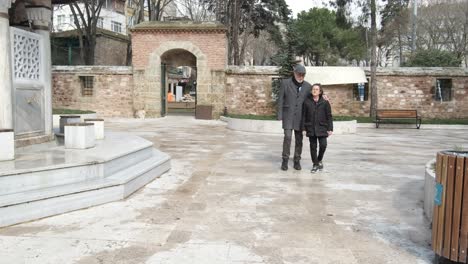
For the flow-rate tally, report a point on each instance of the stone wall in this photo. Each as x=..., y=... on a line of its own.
x=343, y=102
x=413, y=88
x=249, y=90
x=112, y=89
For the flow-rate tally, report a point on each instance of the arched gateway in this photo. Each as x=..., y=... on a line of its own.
x=153, y=41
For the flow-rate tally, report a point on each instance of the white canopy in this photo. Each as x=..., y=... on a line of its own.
x=335, y=75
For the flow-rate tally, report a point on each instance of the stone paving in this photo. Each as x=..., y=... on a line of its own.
x=226, y=201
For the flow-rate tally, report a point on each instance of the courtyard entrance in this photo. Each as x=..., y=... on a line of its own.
x=179, y=79
x=186, y=59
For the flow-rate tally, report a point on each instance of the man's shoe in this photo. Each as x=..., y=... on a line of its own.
x=320, y=165
x=297, y=165
x=284, y=165
x=314, y=169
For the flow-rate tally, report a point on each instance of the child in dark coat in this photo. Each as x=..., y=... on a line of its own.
x=317, y=121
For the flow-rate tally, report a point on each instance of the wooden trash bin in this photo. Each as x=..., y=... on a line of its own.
x=450, y=218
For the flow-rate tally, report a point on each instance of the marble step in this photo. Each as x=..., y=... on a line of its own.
x=35, y=204
x=18, y=181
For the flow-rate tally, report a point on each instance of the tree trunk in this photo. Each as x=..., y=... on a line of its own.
x=235, y=32
x=150, y=17
x=373, y=87
x=465, y=36
x=141, y=17
x=400, y=46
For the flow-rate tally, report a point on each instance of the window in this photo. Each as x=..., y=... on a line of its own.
x=60, y=19
x=443, y=90
x=116, y=26
x=100, y=22
x=361, y=91
x=131, y=21
x=72, y=20
x=87, y=83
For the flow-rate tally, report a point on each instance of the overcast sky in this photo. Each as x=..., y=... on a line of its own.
x=298, y=5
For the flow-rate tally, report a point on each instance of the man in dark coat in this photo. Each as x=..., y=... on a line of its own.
x=292, y=93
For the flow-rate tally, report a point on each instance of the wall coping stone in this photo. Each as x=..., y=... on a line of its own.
x=253, y=70
x=179, y=26
x=401, y=71
x=93, y=70
x=420, y=71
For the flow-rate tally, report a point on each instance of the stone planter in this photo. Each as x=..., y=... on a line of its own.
x=275, y=127
x=79, y=136
x=98, y=127
x=56, y=120
x=68, y=119
x=7, y=143
x=429, y=188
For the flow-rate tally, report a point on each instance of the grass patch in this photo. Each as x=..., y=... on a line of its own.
x=446, y=121
x=60, y=111
x=365, y=119
x=254, y=117
x=359, y=119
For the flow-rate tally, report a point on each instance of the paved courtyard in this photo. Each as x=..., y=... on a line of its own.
x=226, y=201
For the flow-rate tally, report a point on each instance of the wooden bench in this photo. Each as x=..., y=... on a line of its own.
x=389, y=114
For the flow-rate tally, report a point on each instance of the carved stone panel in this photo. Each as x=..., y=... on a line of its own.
x=29, y=116
x=26, y=55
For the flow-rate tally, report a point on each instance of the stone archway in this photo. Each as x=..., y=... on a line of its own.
x=179, y=76
x=206, y=41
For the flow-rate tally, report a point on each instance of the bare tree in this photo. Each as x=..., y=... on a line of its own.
x=85, y=16
x=258, y=50
x=156, y=8
x=196, y=10
x=443, y=25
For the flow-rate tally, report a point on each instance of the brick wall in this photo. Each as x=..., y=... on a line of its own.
x=112, y=90
x=212, y=44
x=152, y=41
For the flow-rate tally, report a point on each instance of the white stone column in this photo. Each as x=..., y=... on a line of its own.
x=6, y=83
x=41, y=18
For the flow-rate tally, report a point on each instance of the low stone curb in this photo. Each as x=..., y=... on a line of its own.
x=429, y=188
x=423, y=126
x=275, y=127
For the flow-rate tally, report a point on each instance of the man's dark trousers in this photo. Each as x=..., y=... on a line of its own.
x=298, y=136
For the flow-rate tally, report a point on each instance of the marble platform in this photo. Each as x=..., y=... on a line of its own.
x=48, y=179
